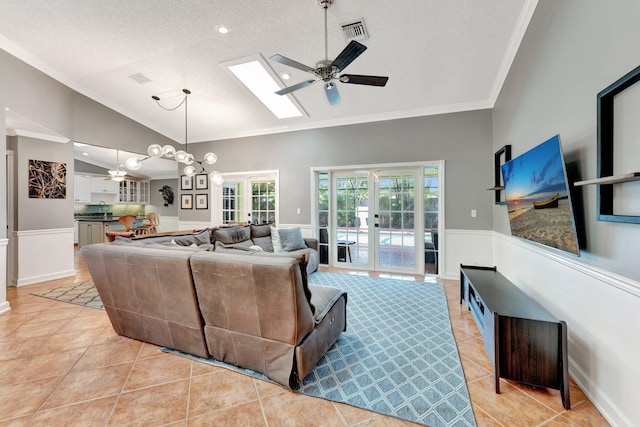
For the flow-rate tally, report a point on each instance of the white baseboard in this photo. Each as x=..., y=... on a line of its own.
x=44, y=255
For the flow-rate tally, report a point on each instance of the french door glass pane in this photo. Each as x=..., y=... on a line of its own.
x=396, y=236
x=232, y=201
x=352, y=218
x=263, y=201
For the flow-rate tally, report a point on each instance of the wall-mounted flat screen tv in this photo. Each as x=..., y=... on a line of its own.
x=537, y=193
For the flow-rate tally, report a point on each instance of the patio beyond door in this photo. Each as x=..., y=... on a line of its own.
x=375, y=219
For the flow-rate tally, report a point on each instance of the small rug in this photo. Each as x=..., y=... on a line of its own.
x=83, y=293
x=398, y=356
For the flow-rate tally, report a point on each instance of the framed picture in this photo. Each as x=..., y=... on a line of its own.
x=202, y=201
x=187, y=201
x=186, y=183
x=47, y=180
x=202, y=181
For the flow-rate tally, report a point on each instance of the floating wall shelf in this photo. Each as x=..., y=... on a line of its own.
x=626, y=177
x=498, y=188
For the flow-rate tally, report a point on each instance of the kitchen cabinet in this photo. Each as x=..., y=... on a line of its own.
x=82, y=190
x=134, y=192
x=100, y=184
x=90, y=232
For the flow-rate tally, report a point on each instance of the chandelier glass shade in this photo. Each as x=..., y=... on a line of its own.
x=181, y=156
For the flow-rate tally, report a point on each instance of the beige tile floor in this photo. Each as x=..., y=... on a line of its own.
x=62, y=365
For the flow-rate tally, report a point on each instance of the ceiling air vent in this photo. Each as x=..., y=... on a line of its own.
x=355, y=30
x=140, y=78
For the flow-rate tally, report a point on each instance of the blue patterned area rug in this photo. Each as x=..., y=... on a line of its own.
x=398, y=356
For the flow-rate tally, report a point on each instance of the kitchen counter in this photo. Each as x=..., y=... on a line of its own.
x=103, y=219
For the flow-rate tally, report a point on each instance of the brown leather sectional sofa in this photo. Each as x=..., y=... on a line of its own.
x=255, y=312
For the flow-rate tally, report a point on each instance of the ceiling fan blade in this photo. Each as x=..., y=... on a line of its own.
x=332, y=93
x=289, y=89
x=348, y=55
x=364, y=80
x=291, y=63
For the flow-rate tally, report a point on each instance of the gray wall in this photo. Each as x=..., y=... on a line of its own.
x=571, y=51
x=84, y=167
x=36, y=96
x=157, y=203
x=463, y=140
x=38, y=214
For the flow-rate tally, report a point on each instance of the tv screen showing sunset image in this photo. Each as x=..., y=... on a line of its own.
x=537, y=194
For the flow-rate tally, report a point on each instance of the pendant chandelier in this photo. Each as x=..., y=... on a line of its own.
x=181, y=156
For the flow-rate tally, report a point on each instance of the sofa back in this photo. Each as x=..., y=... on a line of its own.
x=148, y=294
x=255, y=310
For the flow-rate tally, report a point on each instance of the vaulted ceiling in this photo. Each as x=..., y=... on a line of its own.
x=440, y=56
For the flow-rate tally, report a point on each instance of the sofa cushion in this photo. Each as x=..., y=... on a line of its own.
x=244, y=245
x=264, y=242
x=231, y=235
x=287, y=239
x=201, y=238
x=263, y=230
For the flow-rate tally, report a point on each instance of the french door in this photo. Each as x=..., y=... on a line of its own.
x=376, y=219
x=251, y=198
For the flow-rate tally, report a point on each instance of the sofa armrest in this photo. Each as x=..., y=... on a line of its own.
x=311, y=242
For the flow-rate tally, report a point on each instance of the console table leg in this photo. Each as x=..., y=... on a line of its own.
x=564, y=388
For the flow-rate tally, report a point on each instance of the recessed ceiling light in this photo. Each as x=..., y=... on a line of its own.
x=222, y=29
x=261, y=81
x=285, y=75
x=7, y=109
x=85, y=154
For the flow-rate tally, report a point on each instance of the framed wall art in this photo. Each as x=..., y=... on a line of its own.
x=186, y=182
x=202, y=201
x=187, y=201
x=202, y=181
x=47, y=180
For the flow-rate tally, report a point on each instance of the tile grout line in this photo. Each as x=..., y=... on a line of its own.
x=264, y=415
x=124, y=384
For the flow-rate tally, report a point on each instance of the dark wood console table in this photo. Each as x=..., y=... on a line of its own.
x=523, y=341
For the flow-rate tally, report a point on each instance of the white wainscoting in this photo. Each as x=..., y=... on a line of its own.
x=601, y=310
x=305, y=229
x=4, y=304
x=168, y=223
x=470, y=247
x=44, y=255
x=193, y=225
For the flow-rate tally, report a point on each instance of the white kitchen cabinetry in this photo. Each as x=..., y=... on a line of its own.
x=134, y=192
x=82, y=193
x=101, y=184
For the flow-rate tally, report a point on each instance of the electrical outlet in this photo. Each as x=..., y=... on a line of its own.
x=474, y=213
x=298, y=211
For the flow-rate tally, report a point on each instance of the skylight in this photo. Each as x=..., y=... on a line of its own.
x=255, y=76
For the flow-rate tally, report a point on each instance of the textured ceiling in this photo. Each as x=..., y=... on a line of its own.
x=440, y=56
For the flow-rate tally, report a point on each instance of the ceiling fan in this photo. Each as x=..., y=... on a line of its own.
x=327, y=71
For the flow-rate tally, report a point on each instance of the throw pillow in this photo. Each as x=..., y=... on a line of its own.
x=199, y=239
x=275, y=240
x=291, y=239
